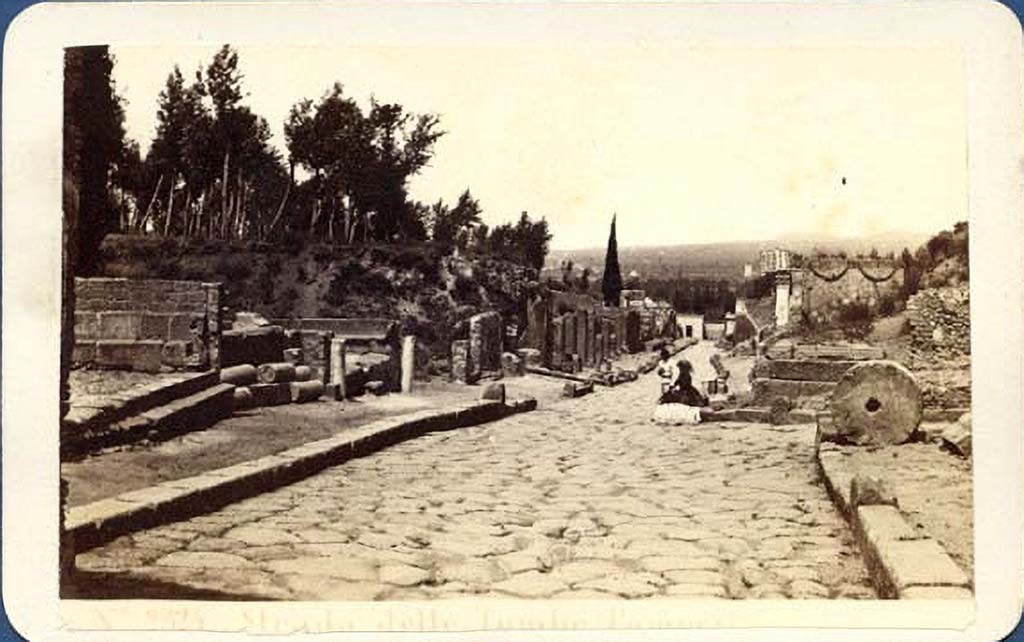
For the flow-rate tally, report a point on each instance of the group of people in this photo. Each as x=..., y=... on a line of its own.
x=677, y=382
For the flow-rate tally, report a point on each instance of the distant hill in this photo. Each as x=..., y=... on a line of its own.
x=721, y=260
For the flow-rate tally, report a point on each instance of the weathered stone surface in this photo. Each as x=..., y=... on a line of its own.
x=882, y=523
x=203, y=559
x=493, y=392
x=920, y=562
x=462, y=368
x=876, y=402
x=957, y=436
x=485, y=342
x=271, y=394
x=242, y=375
x=531, y=584
x=801, y=369
x=866, y=490
x=403, y=575
x=305, y=391
x=282, y=372
x=144, y=356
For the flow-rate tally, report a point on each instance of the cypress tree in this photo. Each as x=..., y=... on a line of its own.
x=611, y=283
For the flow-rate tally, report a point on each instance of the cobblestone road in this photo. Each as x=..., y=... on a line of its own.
x=583, y=499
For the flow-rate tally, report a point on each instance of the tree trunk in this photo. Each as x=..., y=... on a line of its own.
x=170, y=207
x=224, y=193
x=139, y=223
x=280, y=208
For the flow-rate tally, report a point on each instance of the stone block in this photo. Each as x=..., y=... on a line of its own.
x=143, y=356
x=884, y=523
x=87, y=326
x=765, y=391
x=176, y=354
x=84, y=352
x=185, y=327
x=271, y=394
x=493, y=392
x=293, y=356
x=866, y=490
x=462, y=369
x=305, y=391
x=572, y=390
x=123, y=326
x=512, y=365
x=919, y=562
x=530, y=357
x=155, y=325
x=802, y=369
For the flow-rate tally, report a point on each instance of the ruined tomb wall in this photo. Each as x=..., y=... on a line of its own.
x=147, y=324
x=824, y=286
x=940, y=321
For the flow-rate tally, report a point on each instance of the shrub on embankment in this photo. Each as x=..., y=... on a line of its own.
x=432, y=292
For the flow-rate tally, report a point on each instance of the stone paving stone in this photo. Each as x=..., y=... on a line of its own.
x=203, y=560
x=586, y=494
x=345, y=568
x=531, y=584
x=696, y=590
x=403, y=575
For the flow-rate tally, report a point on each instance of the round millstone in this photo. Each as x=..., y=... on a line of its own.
x=876, y=402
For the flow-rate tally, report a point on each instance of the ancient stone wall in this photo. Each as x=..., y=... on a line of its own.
x=147, y=324
x=826, y=285
x=371, y=344
x=940, y=321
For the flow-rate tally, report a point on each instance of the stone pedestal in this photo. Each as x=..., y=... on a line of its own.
x=408, y=362
x=337, y=366
x=462, y=367
x=557, y=342
x=581, y=335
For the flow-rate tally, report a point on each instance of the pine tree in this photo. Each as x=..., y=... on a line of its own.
x=611, y=284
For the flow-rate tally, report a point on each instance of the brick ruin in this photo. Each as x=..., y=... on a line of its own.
x=147, y=325
x=940, y=321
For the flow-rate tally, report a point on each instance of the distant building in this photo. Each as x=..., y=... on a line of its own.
x=632, y=298
x=691, y=325
x=775, y=260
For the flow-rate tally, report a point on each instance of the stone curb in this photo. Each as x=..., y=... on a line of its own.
x=94, y=524
x=902, y=563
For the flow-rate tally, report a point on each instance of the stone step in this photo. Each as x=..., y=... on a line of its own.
x=848, y=353
x=757, y=414
x=118, y=407
x=185, y=414
x=765, y=390
x=802, y=369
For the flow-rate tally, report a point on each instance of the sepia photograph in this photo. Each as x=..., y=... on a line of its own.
x=596, y=322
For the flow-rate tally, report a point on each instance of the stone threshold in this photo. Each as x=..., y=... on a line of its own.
x=902, y=563
x=99, y=522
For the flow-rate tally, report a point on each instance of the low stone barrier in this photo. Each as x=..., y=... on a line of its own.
x=902, y=562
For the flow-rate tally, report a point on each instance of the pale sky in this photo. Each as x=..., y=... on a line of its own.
x=687, y=145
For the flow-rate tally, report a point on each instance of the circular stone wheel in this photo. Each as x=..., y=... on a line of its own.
x=876, y=402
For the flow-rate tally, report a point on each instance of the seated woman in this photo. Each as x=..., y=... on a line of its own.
x=681, y=389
